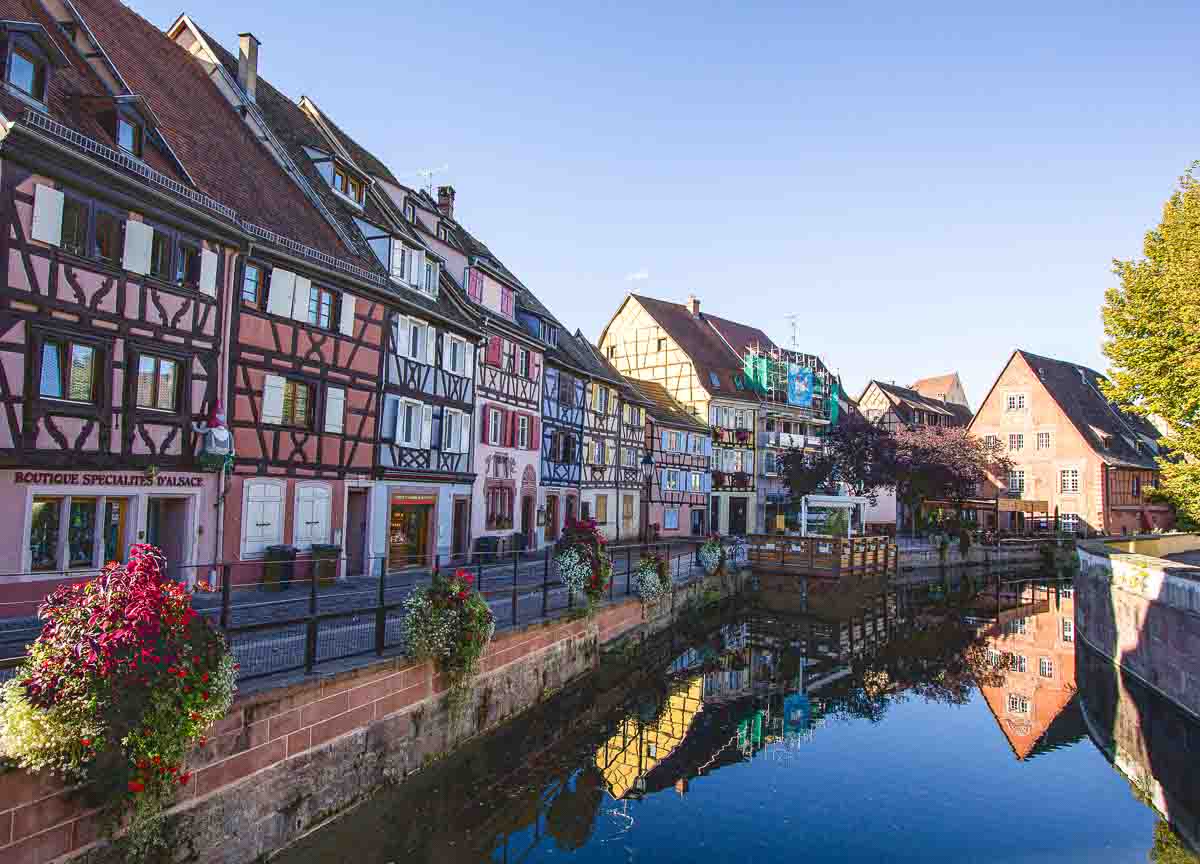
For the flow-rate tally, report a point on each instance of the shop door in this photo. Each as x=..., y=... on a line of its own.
x=527, y=520
x=697, y=522
x=356, y=531
x=408, y=533
x=737, y=515
x=166, y=528
x=115, y=512
x=462, y=526
x=551, y=517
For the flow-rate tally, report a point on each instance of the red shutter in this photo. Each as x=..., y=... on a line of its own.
x=483, y=427
x=506, y=429
x=493, y=351
x=535, y=366
x=535, y=433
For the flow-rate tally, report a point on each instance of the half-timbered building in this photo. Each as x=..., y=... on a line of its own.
x=680, y=446
x=117, y=269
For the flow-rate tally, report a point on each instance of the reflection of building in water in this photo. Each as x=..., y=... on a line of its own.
x=1031, y=643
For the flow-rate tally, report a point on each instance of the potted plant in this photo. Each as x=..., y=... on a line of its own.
x=583, y=561
x=712, y=555
x=653, y=578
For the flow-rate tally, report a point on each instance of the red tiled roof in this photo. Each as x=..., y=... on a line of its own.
x=708, y=352
x=937, y=386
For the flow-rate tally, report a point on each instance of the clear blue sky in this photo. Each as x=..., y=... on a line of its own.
x=928, y=185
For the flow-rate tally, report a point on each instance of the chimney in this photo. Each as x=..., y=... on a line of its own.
x=446, y=201
x=693, y=305
x=248, y=63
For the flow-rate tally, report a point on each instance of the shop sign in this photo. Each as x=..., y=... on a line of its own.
x=77, y=478
x=413, y=499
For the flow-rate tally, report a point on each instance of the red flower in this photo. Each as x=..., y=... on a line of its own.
x=86, y=742
x=184, y=778
x=204, y=696
x=136, y=786
x=204, y=677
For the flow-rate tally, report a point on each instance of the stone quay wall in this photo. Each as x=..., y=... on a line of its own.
x=287, y=758
x=1143, y=613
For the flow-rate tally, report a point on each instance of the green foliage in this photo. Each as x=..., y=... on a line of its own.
x=1168, y=848
x=1152, y=321
x=838, y=524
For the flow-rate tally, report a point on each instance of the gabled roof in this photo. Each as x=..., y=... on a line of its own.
x=210, y=140
x=362, y=157
x=709, y=353
x=937, y=385
x=905, y=401
x=664, y=408
x=1076, y=390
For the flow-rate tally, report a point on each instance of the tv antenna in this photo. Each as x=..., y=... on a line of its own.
x=426, y=174
x=794, y=320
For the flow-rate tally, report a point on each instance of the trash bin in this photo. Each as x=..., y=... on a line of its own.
x=325, y=562
x=280, y=567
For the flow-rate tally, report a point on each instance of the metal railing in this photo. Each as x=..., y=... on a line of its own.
x=281, y=616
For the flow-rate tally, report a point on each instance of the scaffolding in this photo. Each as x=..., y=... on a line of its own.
x=766, y=371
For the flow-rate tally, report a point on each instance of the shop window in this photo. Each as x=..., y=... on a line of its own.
x=157, y=383
x=115, y=513
x=68, y=371
x=81, y=533
x=312, y=514
x=43, y=533
x=262, y=515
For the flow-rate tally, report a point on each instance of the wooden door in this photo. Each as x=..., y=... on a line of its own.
x=461, y=527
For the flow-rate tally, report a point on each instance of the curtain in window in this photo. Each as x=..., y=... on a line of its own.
x=51, y=371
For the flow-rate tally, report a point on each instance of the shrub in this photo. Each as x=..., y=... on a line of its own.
x=450, y=624
x=123, y=681
x=583, y=561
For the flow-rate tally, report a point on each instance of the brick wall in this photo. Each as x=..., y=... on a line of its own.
x=315, y=746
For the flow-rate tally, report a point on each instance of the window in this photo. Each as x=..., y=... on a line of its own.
x=626, y=508
x=1046, y=667
x=410, y=212
x=350, y=187
x=110, y=237
x=1017, y=663
x=68, y=371
x=523, y=363
x=991, y=440
x=1017, y=704
x=187, y=264
x=494, y=423
x=602, y=509
x=43, y=533
x=443, y=233
x=1016, y=482
x=297, y=403
x=1015, y=402
x=27, y=73
x=75, y=226
x=629, y=457
x=671, y=480
x=566, y=391
x=408, y=423
x=1043, y=440
x=1068, y=629
x=81, y=533
x=697, y=482
x=994, y=658
x=499, y=500
x=612, y=351
x=1068, y=480
x=671, y=519
x=320, y=306
x=523, y=432
x=550, y=335
x=252, y=285
x=129, y=136
x=1070, y=522
x=430, y=277
x=1016, y=441
x=661, y=345
x=601, y=399
x=157, y=383
x=160, y=255
x=598, y=452
x=456, y=434
x=1015, y=627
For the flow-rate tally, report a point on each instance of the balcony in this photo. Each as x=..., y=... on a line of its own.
x=792, y=440
x=732, y=481
x=725, y=437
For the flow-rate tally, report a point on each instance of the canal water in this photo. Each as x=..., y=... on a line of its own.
x=816, y=721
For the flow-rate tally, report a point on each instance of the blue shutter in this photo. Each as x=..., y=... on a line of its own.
x=664, y=442
x=706, y=484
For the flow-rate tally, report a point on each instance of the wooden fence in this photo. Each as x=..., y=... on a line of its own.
x=822, y=556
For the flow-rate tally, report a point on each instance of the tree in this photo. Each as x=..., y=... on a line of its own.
x=943, y=462
x=1152, y=321
x=856, y=453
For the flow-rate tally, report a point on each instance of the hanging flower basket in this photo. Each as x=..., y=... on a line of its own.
x=712, y=555
x=653, y=578
x=583, y=561
x=123, y=681
x=450, y=623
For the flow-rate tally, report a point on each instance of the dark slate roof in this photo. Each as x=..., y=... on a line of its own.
x=220, y=153
x=665, y=408
x=741, y=337
x=905, y=401
x=362, y=157
x=1065, y=729
x=1076, y=389
x=709, y=354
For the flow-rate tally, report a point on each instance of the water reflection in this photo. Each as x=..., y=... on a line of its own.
x=853, y=688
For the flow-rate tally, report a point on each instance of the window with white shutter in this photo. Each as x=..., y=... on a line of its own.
x=281, y=293
x=430, y=343
x=346, y=322
x=272, y=399
x=451, y=430
x=47, y=215
x=139, y=237
x=262, y=515
x=416, y=274
x=312, y=514
x=410, y=424
x=335, y=407
x=300, y=298
x=426, y=426
x=208, y=272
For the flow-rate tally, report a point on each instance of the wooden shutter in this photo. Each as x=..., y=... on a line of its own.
x=706, y=481
x=280, y=293
x=208, y=272
x=535, y=432
x=437, y=277
x=485, y=422
x=465, y=446
x=664, y=442
x=447, y=341
x=468, y=359
x=748, y=462
x=426, y=426
x=430, y=344
x=508, y=437
x=713, y=415
x=493, y=351
x=47, y=215
x=346, y=322
x=138, y=239
x=335, y=406
x=417, y=272
x=262, y=515
x=272, y=399
x=300, y=298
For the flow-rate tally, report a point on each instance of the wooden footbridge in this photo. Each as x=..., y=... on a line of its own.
x=822, y=556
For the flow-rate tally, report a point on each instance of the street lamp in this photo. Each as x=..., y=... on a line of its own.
x=648, y=479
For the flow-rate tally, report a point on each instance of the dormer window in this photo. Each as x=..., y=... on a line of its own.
x=27, y=72
x=410, y=212
x=350, y=187
x=443, y=233
x=129, y=136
